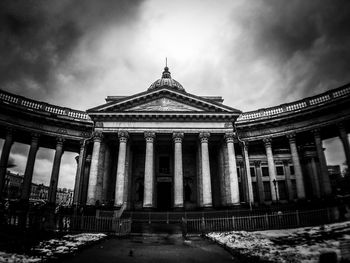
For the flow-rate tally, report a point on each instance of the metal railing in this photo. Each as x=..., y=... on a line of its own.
x=34, y=105
x=296, y=106
x=261, y=222
x=68, y=223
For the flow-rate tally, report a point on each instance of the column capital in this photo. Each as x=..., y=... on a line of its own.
x=285, y=162
x=204, y=137
x=59, y=141
x=123, y=136
x=97, y=136
x=178, y=136
x=257, y=163
x=35, y=137
x=230, y=136
x=267, y=141
x=150, y=136
x=291, y=136
x=82, y=144
x=316, y=132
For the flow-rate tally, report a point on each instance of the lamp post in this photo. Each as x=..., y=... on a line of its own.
x=275, y=185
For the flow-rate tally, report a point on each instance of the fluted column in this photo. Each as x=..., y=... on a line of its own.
x=234, y=189
x=325, y=182
x=343, y=135
x=248, y=176
x=28, y=174
x=149, y=171
x=106, y=175
x=206, y=180
x=55, y=170
x=79, y=174
x=91, y=194
x=4, y=158
x=259, y=181
x=119, y=185
x=297, y=167
x=272, y=170
x=178, y=171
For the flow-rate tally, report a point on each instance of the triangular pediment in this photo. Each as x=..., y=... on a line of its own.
x=164, y=104
x=162, y=100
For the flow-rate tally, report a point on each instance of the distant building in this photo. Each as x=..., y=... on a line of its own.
x=13, y=190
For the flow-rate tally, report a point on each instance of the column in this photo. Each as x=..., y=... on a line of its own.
x=343, y=135
x=85, y=180
x=79, y=175
x=315, y=184
x=232, y=167
x=28, y=174
x=325, y=182
x=272, y=170
x=206, y=180
x=259, y=181
x=178, y=171
x=91, y=194
x=248, y=176
x=55, y=170
x=297, y=167
x=106, y=175
x=4, y=158
x=288, y=180
x=149, y=171
x=121, y=173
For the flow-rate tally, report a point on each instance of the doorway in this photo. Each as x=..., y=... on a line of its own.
x=164, y=196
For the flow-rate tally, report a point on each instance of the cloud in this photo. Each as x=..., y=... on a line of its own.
x=291, y=49
x=38, y=36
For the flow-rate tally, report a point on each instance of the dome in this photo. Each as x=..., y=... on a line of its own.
x=166, y=80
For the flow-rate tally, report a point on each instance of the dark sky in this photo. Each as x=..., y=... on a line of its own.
x=252, y=53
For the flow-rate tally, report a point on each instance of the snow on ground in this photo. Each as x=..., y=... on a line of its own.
x=287, y=245
x=53, y=248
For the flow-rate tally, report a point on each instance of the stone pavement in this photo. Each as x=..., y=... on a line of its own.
x=153, y=248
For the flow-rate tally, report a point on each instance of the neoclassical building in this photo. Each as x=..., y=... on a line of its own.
x=169, y=149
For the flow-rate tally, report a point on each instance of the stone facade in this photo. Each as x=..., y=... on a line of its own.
x=168, y=149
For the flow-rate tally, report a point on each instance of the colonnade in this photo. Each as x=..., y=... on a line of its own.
x=94, y=181
x=149, y=171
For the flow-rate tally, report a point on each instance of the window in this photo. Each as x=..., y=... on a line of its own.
x=238, y=173
x=265, y=171
x=252, y=171
x=267, y=191
x=282, y=190
x=291, y=169
x=279, y=170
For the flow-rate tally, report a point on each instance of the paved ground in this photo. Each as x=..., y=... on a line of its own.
x=162, y=248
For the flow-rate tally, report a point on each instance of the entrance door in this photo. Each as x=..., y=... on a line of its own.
x=164, y=195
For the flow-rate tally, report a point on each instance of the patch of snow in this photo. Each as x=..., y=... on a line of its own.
x=287, y=245
x=52, y=248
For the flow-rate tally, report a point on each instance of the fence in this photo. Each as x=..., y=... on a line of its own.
x=69, y=223
x=260, y=222
x=176, y=216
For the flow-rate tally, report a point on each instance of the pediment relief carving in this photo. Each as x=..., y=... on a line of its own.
x=164, y=104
